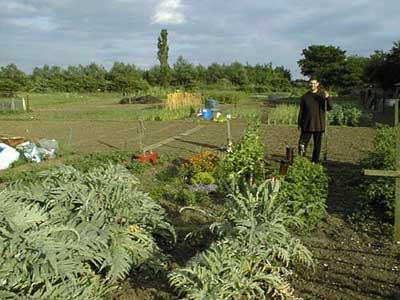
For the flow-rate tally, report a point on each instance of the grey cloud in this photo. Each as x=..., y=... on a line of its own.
x=254, y=31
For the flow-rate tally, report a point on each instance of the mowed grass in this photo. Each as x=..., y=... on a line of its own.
x=92, y=107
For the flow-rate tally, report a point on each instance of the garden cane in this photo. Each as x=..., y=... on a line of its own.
x=326, y=131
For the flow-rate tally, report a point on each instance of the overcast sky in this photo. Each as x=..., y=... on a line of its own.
x=73, y=32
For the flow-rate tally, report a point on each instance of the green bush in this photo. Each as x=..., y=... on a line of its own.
x=304, y=191
x=377, y=194
x=202, y=178
x=347, y=114
x=245, y=163
x=228, y=97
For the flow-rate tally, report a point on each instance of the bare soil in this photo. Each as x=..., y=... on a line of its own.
x=350, y=263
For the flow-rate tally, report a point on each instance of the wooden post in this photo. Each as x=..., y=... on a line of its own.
x=397, y=198
x=28, y=103
x=395, y=174
x=141, y=135
x=326, y=130
x=228, y=124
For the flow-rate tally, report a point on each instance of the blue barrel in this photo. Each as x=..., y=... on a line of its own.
x=206, y=113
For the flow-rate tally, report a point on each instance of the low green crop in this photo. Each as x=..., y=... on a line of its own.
x=304, y=191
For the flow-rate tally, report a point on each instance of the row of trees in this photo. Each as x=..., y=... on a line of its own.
x=335, y=69
x=128, y=77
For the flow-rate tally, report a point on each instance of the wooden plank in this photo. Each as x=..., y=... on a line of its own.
x=382, y=173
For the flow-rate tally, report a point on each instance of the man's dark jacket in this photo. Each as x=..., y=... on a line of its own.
x=312, y=112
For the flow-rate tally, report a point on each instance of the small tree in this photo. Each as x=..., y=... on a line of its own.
x=162, y=56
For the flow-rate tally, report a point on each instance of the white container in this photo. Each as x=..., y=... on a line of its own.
x=8, y=155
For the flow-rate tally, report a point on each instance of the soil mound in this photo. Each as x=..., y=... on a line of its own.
x=140, y=100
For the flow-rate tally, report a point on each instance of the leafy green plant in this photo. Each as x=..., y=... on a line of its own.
x=304, y=191
x=345, y=114
x=246, y=161
x=253, y=256
x=202, y=178
x=76, y=234
x=283, y=114
x=377, y=194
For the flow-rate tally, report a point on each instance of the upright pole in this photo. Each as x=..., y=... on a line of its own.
x=397, y=196
x=228, y=124
x=141, y=134
x=326, y=131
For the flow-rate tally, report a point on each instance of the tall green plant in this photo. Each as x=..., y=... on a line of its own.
x=377, y=194
x=253, y=257
x=245, y=163
x=162, y=55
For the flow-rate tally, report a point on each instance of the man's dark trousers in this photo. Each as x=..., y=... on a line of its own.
x=305, y=137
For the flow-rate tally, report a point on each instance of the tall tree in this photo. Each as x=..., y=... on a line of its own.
x=392, y=66
x=162, y=55
x=323, y=62
x=374, y=71
x=353, y=73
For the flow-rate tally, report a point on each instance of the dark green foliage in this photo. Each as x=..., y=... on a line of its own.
x=228, y=97
x=126, y=78
x=304, y=191
x=377, y=194
x=326, y=63
x=162, y=55
x=74, y=235
x=185, y=73
x=383, y=68
x=12, y=79
x=347, y=114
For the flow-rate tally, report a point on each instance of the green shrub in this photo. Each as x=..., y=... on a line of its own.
x=228, y=97
x=304, y=191
x=377, y=194
x=346, y=114
x=202, y=178
x=245, y=163
x=185, y=196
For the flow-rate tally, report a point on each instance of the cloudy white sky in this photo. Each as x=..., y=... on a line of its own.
x=72, y=32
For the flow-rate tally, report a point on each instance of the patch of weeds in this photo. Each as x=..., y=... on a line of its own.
x=92, y=160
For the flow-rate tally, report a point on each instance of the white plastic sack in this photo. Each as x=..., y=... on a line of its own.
x=7, y=156
x=31, y=151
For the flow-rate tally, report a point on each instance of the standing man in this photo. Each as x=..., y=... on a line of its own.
x=311, y=120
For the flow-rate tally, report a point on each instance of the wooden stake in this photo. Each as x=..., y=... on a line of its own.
x=395, y=174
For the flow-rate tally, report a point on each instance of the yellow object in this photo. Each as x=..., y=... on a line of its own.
x=183, y=99
x=134, y=228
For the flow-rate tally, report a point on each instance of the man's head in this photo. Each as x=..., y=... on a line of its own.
x=314, y=85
